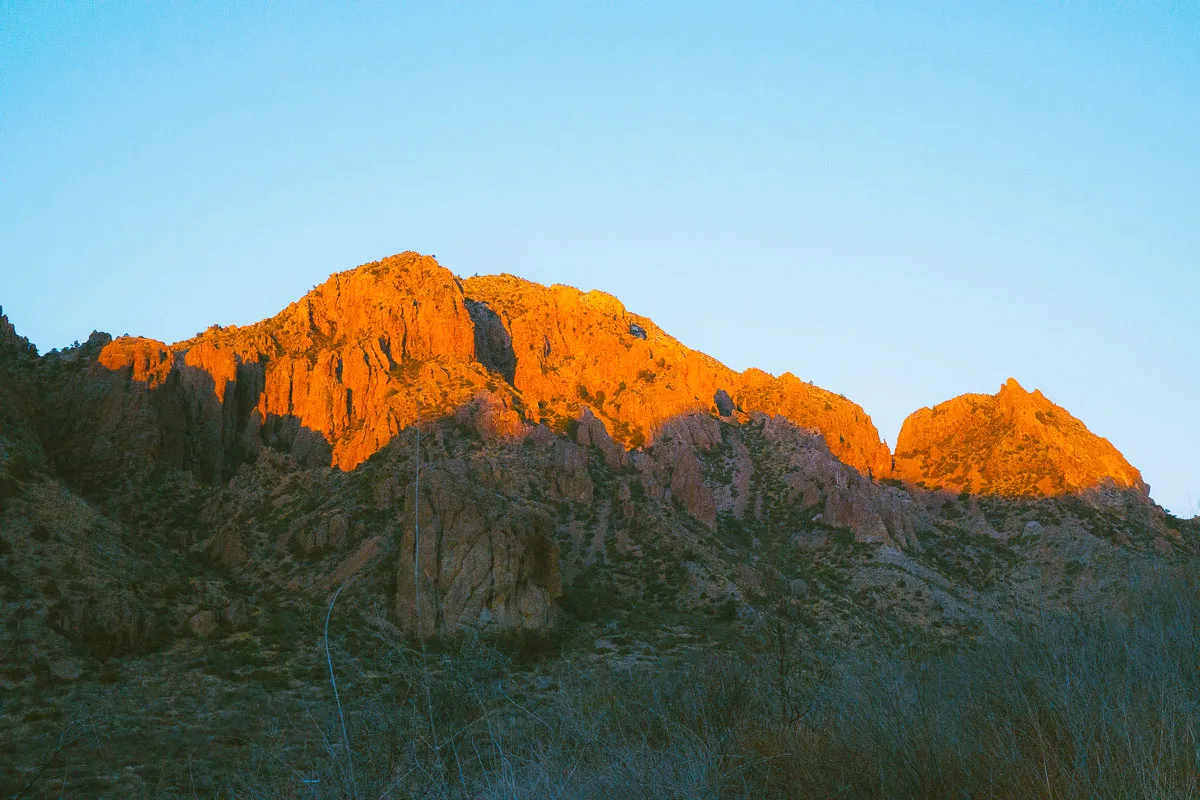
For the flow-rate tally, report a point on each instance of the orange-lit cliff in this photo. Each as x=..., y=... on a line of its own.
x=1014, y=443
x=349, y=359
x=340, y=372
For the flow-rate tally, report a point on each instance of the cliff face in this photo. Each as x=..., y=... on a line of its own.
x=847, y=429
x=20, y=451
x=574, y=349
x=1014, y=443
x=331, y=379
x=336, y=375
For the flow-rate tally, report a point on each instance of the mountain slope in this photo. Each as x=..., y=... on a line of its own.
x=175, y=519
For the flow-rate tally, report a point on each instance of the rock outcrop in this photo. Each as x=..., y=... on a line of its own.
x=848, y=431
x=331, y=379
x=573, y=349
x=20, y=450
x=814, y=478
x=482, y=562
x=1014, y=443
x=336, y=375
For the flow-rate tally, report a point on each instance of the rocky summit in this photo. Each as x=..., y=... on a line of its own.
x=1014, y=443
x=338, y=374
x=490, y=457
x=357, y=359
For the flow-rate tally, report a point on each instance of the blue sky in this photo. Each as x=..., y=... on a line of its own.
x=898, y=203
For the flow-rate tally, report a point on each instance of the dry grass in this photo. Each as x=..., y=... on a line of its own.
x=1101, y=705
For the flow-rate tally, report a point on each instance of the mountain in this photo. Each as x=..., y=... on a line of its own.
x=574, y=349
x=1014, y=443
x=340, y=372
x=336, y=375
x=176, y=518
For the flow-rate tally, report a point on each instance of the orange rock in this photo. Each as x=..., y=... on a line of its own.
x=215, y=369
x=353, y=359
x=847, y=429
x=576, y=349
x=1014, y=443
x=357, y=359
x=147, y=360
x=341, y=371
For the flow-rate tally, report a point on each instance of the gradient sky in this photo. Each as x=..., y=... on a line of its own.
x=900, y=204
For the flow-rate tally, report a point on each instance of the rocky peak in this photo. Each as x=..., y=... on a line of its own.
x=11, y=343
x=358, y=358
x=407, y=304
x=574, y=349
x=847, y=429
x=1015, y=443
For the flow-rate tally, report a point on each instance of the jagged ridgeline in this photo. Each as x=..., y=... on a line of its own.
x=174, y=519
x=571, y=445
x=348, y=361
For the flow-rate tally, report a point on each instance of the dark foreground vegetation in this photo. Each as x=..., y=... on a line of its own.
x=1091, y=704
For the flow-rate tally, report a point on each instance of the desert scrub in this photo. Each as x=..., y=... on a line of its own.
x=1053, y=706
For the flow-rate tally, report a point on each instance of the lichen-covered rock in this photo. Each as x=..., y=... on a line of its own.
x=203, y=624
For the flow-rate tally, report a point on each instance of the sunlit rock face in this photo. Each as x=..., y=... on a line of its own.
x=576, y=349
x=1014, y=443
x=847, y=429
x=333, y=377
x=337, y=374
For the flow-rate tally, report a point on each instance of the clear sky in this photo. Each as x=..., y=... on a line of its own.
x=899, y=203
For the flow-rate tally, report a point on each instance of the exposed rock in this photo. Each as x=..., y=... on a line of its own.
x=368, y=552
x=576, y=349
x=689, y=488
x=876, y=513
x=335, y=376
x=481, y=562
x=593, y=433
x=145, y=361
x=1014, y=443
x=492, y=417
x=846, y=428
x=549, y=415
x=723, y=402
x=203, y=624
x=66, y=669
